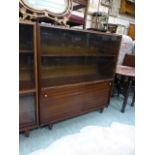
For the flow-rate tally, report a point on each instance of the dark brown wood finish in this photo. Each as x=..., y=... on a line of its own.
x=61, y=103
x=64, y=73
x=76, y=71
x=28, y=84
x=129, y=60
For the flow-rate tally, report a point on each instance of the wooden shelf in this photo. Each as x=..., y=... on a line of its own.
x=60, y=81
x=76, y=55
x=25, y=51
x=27, y=91
x=26, y=74
x=78, y=51
x=25, y=66
x=78, y=83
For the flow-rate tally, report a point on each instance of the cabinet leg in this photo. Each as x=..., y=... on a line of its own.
x=50, y=126
x=27, y=133
x=101, y=110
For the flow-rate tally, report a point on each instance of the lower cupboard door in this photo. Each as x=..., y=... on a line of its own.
x=61, y=103
x=59, y=107
x=96, y=96
x=95, y=100
x=26, y=110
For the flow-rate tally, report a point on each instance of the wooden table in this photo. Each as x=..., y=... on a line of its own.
x=128, y=72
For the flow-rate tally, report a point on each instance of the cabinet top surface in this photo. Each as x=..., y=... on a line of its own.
x=70, y=29
x=79, y=30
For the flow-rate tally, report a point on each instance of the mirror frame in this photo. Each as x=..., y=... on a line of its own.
x=29, y=13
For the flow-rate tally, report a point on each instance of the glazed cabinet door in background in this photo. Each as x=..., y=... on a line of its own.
x=28, y=98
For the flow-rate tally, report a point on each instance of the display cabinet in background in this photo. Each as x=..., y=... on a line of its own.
x=28, y=90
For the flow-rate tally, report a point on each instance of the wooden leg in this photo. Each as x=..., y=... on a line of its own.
x=126, y=95
x=101, y=110
x=27, y=133
x=50, y=126
x=133, y=100
x=118, y=86
x=110, y=93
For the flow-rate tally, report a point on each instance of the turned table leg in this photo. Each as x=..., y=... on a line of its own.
x=133, y=100
x=126, y=94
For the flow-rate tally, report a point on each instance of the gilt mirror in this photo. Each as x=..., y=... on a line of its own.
x=54, y=9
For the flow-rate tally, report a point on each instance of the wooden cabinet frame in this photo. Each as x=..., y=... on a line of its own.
x=61, y=100
x=30, y=91
x=74, y=72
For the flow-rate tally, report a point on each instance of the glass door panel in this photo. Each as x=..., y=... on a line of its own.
x=64, y=70
x=27, y=110
x=26, y=71
x=26, y=57
x=76, y=43
x=104, y=44
x=70, y=43
x=25, y=38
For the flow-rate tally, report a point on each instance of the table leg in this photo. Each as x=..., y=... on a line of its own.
x=133, y=100
x=129, y=82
